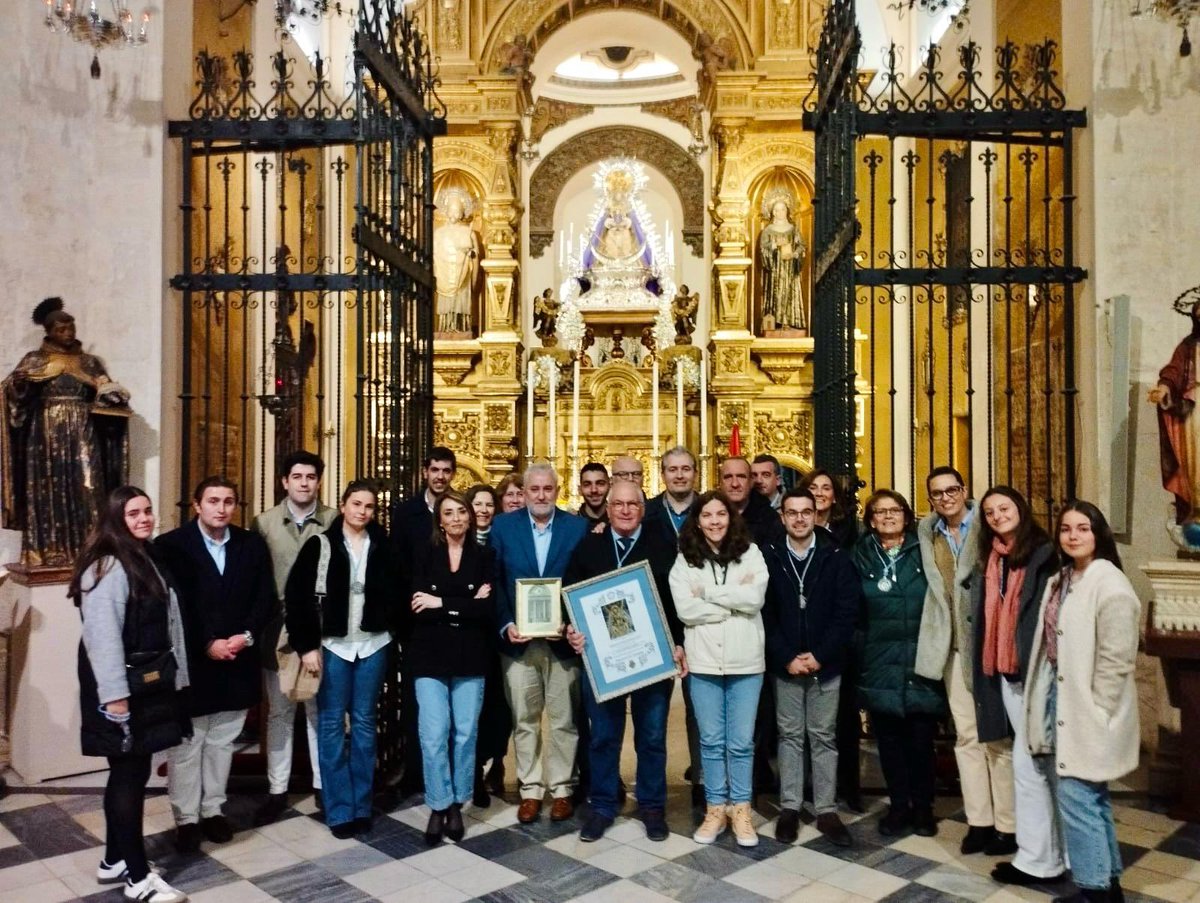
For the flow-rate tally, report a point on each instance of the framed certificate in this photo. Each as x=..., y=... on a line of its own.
x=539, y=607
x=628, y=643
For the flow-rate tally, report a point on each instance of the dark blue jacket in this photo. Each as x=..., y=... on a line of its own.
x=825, y=626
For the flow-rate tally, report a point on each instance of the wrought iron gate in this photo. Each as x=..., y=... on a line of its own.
x=307, y=275
x=951, y=333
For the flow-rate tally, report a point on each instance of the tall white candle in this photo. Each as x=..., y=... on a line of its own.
x=654, y=421
x=553, y=444
x=575, y=413
x=679, y=437
x=529, y=409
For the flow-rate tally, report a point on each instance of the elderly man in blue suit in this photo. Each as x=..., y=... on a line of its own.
x=539, y=675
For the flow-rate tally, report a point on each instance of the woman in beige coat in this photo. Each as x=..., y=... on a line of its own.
x=1081, y=705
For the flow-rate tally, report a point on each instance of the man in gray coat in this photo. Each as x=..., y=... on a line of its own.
x=949, y=540
x=286, y=528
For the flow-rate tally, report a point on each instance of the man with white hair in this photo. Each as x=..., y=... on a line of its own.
x=540, y=675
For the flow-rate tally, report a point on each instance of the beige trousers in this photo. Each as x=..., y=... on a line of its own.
x=199, y=768
x=985, y=770
x=536, y=682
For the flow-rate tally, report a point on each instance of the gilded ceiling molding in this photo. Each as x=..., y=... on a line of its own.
x=594, y=145
x=550, y=114
x=766, y=153
x=677, y=109
x=538, y=19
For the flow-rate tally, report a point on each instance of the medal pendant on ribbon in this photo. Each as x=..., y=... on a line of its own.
x=885, y=584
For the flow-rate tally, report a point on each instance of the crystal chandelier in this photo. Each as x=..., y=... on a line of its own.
x=84, y=23
x=1178, y=11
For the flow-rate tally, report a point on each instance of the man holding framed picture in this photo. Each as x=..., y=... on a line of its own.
x=541, y=674
x=626, y=543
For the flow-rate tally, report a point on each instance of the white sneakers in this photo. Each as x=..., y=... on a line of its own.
x=713, y=826
x=117, y=872
x=153, y=889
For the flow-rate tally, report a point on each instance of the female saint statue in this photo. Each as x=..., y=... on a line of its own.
x=64, y=446
x=782, y=248
x=455, y=262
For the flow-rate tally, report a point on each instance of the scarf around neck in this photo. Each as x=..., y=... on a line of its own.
x=1000, y=613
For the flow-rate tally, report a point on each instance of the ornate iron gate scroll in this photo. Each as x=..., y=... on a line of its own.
x=964, y=287
x=307, y=274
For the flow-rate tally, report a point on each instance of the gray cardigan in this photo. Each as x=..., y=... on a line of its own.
x=936, y=640
x=102, y=606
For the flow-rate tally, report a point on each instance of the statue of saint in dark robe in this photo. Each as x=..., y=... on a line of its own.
x=64, y=445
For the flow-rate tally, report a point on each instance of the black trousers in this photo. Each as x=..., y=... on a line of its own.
x=124, y=805
x=906, y=755
x=495, y=719
x=849, y=733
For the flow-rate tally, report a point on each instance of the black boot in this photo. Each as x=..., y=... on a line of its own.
x=480, y=798
x=454, y=823
x=436, y=827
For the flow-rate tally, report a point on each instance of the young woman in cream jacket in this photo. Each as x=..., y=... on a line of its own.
x=719, y=583
x=1081, y=703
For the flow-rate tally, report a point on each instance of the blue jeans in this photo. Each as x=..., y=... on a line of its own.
x=347, y=776
x=726, y=706
x=1085, y=810
x=444, y=703
x=649, y=707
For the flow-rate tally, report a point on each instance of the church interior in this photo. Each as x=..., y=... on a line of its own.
x=606, y=228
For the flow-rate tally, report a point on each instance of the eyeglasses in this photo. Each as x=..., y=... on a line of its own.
x=793, y=515
x=624, y=505
x=888, y=512
x=938, y=494
x=627, y=474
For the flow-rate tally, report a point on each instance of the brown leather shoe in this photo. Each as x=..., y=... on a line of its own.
x=562, y=809
x=529, y=811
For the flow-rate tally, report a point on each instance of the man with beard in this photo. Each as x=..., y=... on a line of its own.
x=1178, y=428
x=593, y=486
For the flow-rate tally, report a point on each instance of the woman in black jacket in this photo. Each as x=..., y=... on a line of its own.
x=345, y=635
x=452, y=620
x=129, y=613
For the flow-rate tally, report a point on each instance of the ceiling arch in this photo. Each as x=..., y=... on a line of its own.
x=538, y=19
x=594, y=145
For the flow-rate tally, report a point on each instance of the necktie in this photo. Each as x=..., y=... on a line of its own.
x=624, y=544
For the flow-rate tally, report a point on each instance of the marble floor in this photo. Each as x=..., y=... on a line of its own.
x=51, y=842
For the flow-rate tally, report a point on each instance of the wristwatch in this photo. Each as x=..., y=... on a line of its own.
x=249, y=638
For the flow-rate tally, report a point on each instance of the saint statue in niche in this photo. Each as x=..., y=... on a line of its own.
x=456, y=252
x=64, y=445
x=683, y=311
x=783, y=249
x=1178, y=425
x=545, y=317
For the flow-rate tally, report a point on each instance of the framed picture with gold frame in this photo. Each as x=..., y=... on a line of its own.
x=539, y=607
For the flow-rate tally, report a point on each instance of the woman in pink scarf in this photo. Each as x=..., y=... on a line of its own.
x=1016, y=558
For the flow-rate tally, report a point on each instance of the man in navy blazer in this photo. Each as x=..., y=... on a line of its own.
x=227, y=599
x=539, y=675
x=628, y=542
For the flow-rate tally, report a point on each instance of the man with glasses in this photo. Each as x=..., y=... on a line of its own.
x=949, y=538
x=627, y=468
x=813, y=598
x=626, y=543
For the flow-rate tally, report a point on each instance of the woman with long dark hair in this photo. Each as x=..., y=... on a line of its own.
x=345, y=637
x=831, y=513
x=483, y=504
x=1015, y=560
x=719, y=584
x=1081, y=703
x=905, y=707
x=130, y=617
x=453, y=616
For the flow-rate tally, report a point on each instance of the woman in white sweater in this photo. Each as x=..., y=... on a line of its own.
x=1081, y=706
x=719, y=582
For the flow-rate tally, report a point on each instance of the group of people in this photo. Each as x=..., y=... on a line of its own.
x=787, y=618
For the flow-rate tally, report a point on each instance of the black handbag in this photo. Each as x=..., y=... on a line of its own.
x=149, y=673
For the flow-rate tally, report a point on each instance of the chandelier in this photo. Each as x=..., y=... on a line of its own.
x=1178, y=11
x=84, y=23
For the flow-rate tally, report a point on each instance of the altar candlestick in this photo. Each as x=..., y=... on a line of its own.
x=529, y=409
x=575, y=413
x=654, y=421
x=553, y=373
x=703, y=405
x=679, y=437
